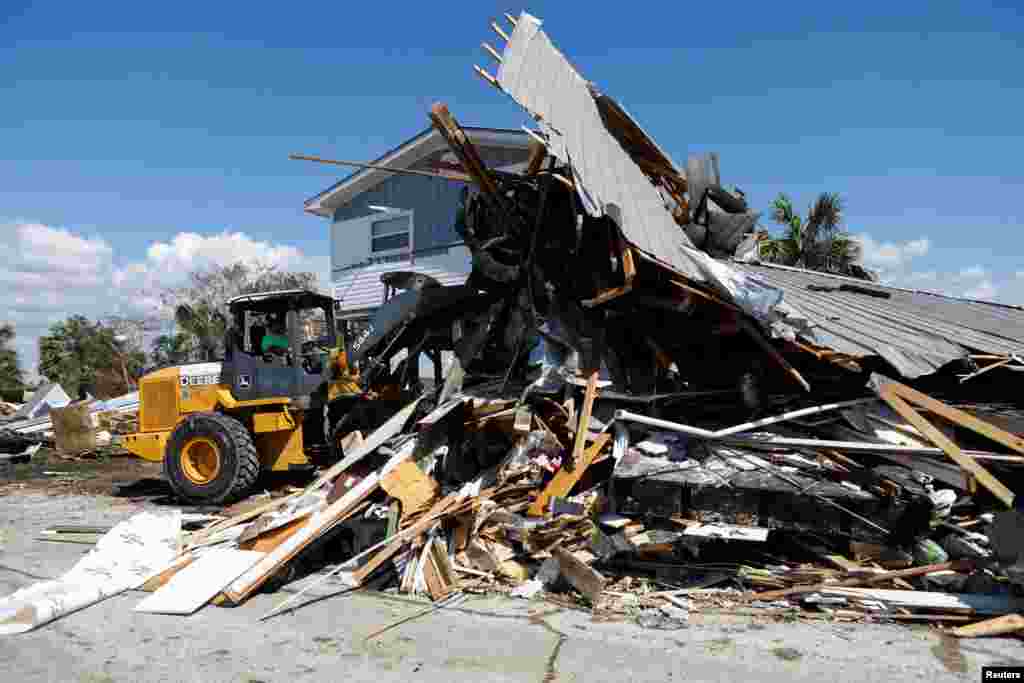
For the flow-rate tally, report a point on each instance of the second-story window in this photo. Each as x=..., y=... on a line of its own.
x=390, y=233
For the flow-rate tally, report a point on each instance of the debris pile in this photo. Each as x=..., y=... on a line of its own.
x=635, y=422
x=74, y=428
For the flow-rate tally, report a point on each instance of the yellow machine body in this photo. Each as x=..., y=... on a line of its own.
x=164, y=401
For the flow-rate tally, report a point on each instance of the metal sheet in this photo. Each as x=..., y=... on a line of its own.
x=542, y=81
x=917, y=332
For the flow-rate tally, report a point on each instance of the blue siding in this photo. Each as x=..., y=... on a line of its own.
x=434, y=200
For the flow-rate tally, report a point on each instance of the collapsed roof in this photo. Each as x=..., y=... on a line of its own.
x=620, y=172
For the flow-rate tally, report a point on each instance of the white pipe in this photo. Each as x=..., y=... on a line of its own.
x=746, y=426
x=663, y=424
x=792, y=415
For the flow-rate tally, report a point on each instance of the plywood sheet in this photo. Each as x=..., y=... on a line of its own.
x=198, y=583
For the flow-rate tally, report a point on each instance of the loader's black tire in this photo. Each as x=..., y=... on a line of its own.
x=237, y=465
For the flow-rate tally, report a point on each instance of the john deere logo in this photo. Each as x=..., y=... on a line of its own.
x=199, y=380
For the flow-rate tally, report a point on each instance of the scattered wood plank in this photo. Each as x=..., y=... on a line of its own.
x=243, y=586
x=387, y=548
x=196, y=584
x=484, y=74
x=163, y=577
x=253, y=513
x=772, y=352
x=954, y=415
x=584, y=422
x=266, y=542
x=564, y=480
x=443, y=569
x=1000, y=626
x=414, y=489
x=887, y=393
x=977, y=603
x=387, y=430
x=497, y=29
x=583, y=578
x=494, y=53
x=351, y=441
x=960, y=565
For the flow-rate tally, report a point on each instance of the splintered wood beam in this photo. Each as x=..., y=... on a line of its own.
x=583, y=578
x=628, y=273
x=497, y=29
x=1009, y=623
x=705, y=295
x=510, y=19
x=607, y=295
x=954, y=415
x=867, y=579
x=766, y=346
x=492, y=52
x=538, y=152
x=928, y=430
x=584, y=422
x=464, y=150
x=378, y=167
x=564, y=480
x=484, y=74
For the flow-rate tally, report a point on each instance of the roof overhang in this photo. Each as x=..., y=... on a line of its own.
x=405, y=156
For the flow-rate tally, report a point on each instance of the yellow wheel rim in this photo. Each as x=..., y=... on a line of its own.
x=200, y=460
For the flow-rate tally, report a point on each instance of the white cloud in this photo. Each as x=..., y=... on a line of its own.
x=985, y=289
x=896, y=264
x=973, y=272
x=891, y=254
x=49, y=273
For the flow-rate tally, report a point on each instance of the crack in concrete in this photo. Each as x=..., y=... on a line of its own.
x=4, y=567
x=550, y=673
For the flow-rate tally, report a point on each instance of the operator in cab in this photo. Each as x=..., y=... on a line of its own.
x=275, y=341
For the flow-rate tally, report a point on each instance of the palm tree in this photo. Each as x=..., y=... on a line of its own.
x=817, y=242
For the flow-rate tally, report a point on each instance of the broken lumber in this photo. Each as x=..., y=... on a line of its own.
x=244, y=586
x=583, y=578
x=414, y=489
x=977, y=603
x=564, y=480
x=1000, y=626
x=584, y=422
x=888, y=394
x=960, y=565
x=387, y=430
x=954, y=415
x=772, y=352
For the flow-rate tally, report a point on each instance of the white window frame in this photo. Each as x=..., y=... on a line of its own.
x=390, y=216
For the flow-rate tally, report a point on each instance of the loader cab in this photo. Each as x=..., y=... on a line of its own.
x=278, y=344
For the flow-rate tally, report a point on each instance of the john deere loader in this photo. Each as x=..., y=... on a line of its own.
x=267, y=407
x=285, y=395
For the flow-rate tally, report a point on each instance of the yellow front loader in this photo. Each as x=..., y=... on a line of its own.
x=264, y=408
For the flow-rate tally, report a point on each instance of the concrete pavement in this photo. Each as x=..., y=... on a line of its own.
x=481, y=638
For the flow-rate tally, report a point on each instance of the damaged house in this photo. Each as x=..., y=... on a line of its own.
x=633, y=395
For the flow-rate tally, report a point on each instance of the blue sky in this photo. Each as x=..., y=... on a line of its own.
x=127, y=124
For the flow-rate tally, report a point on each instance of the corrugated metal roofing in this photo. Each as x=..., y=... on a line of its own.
x=537, y=76
x=361, y=288
x=917, y=332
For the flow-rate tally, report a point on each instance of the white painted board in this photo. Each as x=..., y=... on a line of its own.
x=199, y=582
x=136, y=549
x=728, y=531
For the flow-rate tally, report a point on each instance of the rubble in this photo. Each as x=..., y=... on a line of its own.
x=636, y=425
